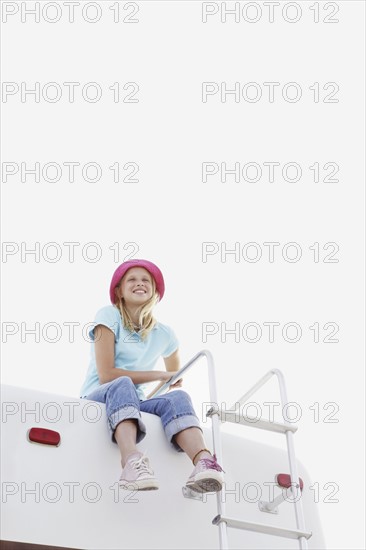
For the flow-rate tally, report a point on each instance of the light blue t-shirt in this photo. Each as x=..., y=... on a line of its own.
x=131, y=352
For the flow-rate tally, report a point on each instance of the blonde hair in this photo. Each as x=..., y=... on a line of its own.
x=146, y=319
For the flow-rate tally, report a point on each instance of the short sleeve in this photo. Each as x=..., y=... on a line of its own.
x=110, y=317
x=173, y=344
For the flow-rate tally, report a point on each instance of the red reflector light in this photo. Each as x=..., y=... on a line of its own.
x=284, y=480
x=42, y=435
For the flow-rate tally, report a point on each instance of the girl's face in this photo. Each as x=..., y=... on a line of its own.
x=136, y=286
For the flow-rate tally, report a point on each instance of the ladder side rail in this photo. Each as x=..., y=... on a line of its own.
x=299, y=511
x=217, y=445
x=215, y=423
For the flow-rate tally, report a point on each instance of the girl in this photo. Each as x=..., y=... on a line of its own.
x=127, y=342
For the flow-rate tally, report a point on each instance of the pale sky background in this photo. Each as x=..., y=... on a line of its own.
x=169, y=212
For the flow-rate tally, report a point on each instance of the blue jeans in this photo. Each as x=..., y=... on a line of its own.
x=122, y=402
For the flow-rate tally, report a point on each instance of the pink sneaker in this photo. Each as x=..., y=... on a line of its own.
x=206, y=476
x=137, y=474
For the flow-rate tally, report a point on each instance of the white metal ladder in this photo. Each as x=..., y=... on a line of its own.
x=221, y=520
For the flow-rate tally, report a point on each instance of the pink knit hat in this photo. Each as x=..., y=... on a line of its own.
x=149, y=266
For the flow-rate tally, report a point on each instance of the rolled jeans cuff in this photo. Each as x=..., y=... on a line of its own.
x=178, y=424
x=127, y=412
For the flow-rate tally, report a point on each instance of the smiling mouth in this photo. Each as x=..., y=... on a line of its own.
x=139, y=291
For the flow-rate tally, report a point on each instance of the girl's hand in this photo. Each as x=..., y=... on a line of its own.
x=167, y=376
x=164, y=376
x=178, y=384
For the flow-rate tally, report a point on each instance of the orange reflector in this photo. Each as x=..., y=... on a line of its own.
x=44, y=436
x=284, y=480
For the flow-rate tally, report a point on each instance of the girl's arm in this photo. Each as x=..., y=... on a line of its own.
x=172, y=363
x=104, y=355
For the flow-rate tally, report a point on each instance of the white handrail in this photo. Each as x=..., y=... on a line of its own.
x=175, y=377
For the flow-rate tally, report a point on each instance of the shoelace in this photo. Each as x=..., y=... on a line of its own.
x=142, y=464
x=212, y=463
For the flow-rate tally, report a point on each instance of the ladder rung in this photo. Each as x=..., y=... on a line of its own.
x=235, y=418
x=262, y=528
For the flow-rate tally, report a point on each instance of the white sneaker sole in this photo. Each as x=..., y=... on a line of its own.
x=139, y=485
x=206, y=482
